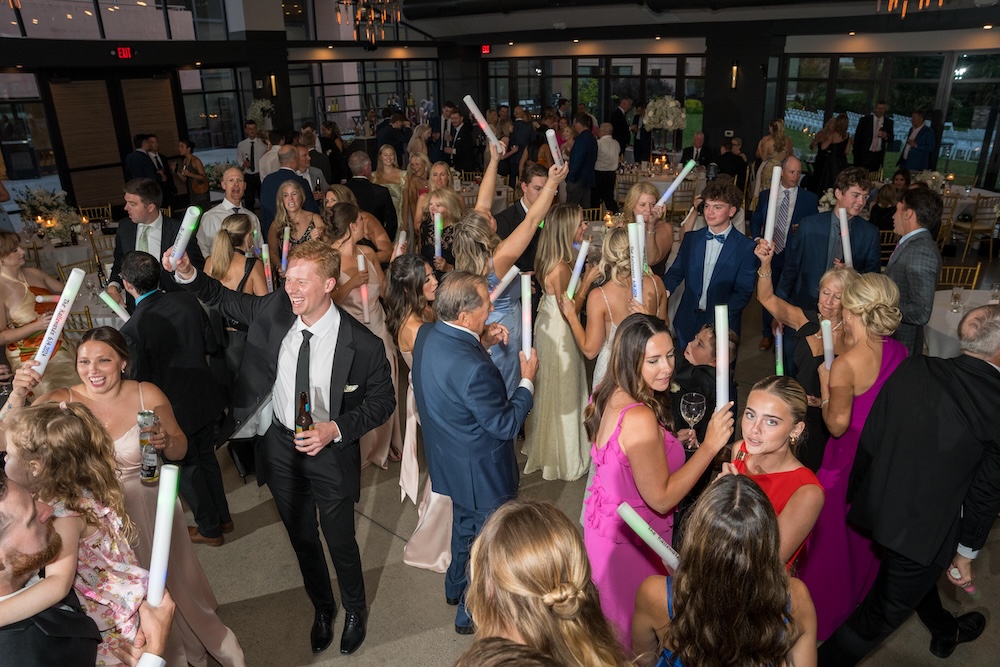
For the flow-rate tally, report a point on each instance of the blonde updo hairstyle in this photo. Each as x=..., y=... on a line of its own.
x=474, y=243
x=615, y=264
x=529, y=576
x=874, y=298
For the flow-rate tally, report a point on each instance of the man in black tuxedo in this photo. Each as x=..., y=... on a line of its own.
x=169, y=339
x=872, y=138
x=297, y=339
x=521, y=133
x=440, y=131
x=619, y=122
x=397, y=134
x=317, y=158
x=138, y=164
x=698, y=151
x=62, y=634
x=163, y=173
x=460, y=152
x=288, y=165
x=533, y=179
x=732, y=164
x=924, y=482
x=372, y=197
x=147, y=230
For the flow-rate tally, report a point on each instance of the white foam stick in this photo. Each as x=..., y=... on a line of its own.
x=286, y=246
x=826, y=328
x=58, y=321
x=502, y=285
x=581, y=258
x=845, y=237
x=166, y=500
x=115, y=307
x=772, y=204
x=550, y=135
x=652, y=538
x=47, y=298
x=526, y=315
x=691, y=164
x=265, y=257
x=401, y=242
x=366, y=313
x=483, y=125
x=641, y=222
x=721, y=356
x=188, y=227
x=635, y=260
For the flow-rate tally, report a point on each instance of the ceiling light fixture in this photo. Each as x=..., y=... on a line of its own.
x=369, y=17
x=903, y=5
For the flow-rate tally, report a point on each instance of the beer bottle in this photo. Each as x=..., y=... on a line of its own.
x=149, y=472
x=303, y=420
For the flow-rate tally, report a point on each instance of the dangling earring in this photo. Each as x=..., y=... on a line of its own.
x=793, y=440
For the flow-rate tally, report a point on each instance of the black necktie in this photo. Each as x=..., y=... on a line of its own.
x=253, y=163
x=159, y=165
x=302, y=371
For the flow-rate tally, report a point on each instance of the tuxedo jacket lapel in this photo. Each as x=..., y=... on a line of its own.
x=343, y=359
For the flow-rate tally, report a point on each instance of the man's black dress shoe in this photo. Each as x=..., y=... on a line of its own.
x=322, y=631
x=452, y=602
x=355, y=629
x=465, y=629
x=970, y=626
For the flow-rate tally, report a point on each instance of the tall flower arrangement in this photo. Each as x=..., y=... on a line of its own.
x=664, y=113
x=259, y=110
x=47, y=212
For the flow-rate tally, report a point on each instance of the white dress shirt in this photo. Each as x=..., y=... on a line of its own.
x=608, y=150
x=322, y=346
x=876, y=140
x=243, y=153
x=712, y=251
x=267, y=163
x=211, y=223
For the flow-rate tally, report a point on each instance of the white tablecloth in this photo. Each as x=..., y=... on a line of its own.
x=470, y=191
x=100, y=314
x=663, y=181
x=49, y=256
x=941, y=331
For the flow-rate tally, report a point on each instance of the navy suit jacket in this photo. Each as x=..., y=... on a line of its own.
x=269, y=196
x=920, y=155
x=469, y=424
x=375, y=199
x=732, y=281
x=138, y=164
x=582, y=159
x=806, y=204
x=805, y=256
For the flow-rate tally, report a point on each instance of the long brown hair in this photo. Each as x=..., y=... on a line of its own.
x=731, y=591
x=404, y=295
x=555, y=243
x=628, y=350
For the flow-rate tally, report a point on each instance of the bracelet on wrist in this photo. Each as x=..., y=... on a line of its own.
x=824, y=402
x=763, y=275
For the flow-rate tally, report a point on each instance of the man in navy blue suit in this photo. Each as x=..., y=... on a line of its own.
x=468, y=422
x=816, y=247
x=582, y=159
x=794, y=204
x=919, y=144
x=717, y=266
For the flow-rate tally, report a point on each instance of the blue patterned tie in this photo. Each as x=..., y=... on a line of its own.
x=721, y=238
x=781, y=224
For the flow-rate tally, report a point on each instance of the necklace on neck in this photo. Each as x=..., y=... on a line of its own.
x=819, y=334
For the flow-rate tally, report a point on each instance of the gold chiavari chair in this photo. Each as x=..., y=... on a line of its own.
x=77, y=323
x=88, y=266
x=513, y=195
x=959, y=276
x=682, y=199
x=889, y=240
x=623, y=184
x=104, y=247
x=31, y=256
x=944, y=234
x=984, y=220
x=166, y=211
x=470, y=176
x=592, y=214
x=96, y=213
x=469, y=200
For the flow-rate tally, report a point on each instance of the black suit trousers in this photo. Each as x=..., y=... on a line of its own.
x=299, y=484
x=201, y=485
x=901, y=587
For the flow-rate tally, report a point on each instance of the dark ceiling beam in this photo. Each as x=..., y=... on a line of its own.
x=415, y=10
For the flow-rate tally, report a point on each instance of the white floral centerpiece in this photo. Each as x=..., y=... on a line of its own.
x=664, y=113
x=58, y=218
x=260, y=109
x=215, y=171
x=932, y=178
x=827, y=201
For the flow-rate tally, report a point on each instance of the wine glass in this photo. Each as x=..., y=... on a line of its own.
x=956, y=298
x=692, y=410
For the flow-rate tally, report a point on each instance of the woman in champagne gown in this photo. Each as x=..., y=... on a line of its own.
x=102, y=360
x=344, y=230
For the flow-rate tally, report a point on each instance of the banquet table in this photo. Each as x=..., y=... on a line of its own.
x=49, y=255
x=100, y=314
x=663, y=181
x=941, y=331
x=470, y=191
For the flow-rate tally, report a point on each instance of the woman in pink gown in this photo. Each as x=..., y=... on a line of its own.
x=839, y=564
x=638, y=461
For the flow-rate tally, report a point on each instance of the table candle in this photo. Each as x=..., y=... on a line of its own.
x=502, y=285
x=265, y=257
x=635, y=260
x=779, y=352
x=550, y=136
x=47, y=298
x=483, y=125
x=438, y=231
x=772, y=204
x=652, y=538
x=166, y=499
x=366, y=313
x=845, y=237
x=286, y=245
x=526, y=315
x=59, y=315
x=721, y=356
x=677, y=182
x=581, y=257
x=187, y=229
x=827, y=329
x=115, y=307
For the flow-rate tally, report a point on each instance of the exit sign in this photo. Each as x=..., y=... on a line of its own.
x=124, y=52
x=486, y=49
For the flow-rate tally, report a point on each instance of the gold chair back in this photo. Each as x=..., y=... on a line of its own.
x=889, y=240
x=984, y=220
x=88, y=266
x=31, y=256
x=623, y=184
x=944, y=234
x=77, y=323
x=513, y=195
x=469, y=176
x=469, y=200
x=166, y=211
x=104, y=247
x=682, y=198
x=96, y=213
x=959, y=276
x=592, y=214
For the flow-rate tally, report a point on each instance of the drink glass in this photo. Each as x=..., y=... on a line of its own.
x=692, y=410
x=956, y=298
x=149, y=472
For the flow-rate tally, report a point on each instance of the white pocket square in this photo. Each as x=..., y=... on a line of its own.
x=349, y=388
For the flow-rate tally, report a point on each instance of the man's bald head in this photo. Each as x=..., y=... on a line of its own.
x=288, y=156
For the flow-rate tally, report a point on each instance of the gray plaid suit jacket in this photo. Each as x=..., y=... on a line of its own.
x=914, y=267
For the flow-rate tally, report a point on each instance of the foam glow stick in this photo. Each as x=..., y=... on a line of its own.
x=286, y=245
x=526, y=315
x=438, y=232
x=502, y=285
x=649, y=536
x=845, y=237
x=550, y=135
x=827, y=329
x=483, y=125
x=691, y=164
x=115, y=307
x=721, y=356
x=188, y=227
x=779, y=353
x=58, y=320
x=970, y=588
x=366, y=313
x=166, y=501
x=635, y=260
x=47, y=298
x=772, y=204
x=581, y=257
x=265, y=256
x=401, y=242
x=641, y=222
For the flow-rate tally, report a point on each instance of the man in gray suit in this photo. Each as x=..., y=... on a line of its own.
x=915, y=263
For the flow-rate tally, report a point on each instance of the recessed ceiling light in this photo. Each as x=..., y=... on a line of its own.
x=852, y=33
x=576, y=41
x=510, y=43
x=198, y=64
x=988, y=26
x=657, y=38
x=330, y=47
